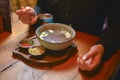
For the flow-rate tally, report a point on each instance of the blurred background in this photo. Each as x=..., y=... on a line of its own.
x=17, y=4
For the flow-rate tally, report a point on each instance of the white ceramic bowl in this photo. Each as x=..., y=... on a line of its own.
x=62, y=36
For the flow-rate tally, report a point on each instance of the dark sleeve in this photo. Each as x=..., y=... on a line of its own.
x=111, y=40
x=41, y=6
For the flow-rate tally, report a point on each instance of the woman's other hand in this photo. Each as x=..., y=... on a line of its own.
x=91, y=59
x=27, y=15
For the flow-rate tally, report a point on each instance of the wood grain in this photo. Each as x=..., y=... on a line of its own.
x=12, y=69
x=1, y=25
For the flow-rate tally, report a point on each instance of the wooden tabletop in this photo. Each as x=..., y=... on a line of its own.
x=15, y=69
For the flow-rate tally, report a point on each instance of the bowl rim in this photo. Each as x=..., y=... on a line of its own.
x=37, y=30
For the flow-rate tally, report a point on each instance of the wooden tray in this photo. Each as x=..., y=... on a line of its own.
x=49, y=58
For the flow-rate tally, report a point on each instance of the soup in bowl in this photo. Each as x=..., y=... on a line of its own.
x=55, y=36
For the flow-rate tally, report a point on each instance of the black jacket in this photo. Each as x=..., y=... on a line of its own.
x=88, y=16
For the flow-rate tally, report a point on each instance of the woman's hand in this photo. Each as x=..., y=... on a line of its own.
x=27, y=15
x=91, y=59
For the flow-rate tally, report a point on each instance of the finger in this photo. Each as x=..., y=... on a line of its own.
x=25, y=15
x=30, y=10
x=91, y=54
x=85, y=64
x=26, y=20
x=29, y=20
x=89, y=61
x=95, y=62
x=21, y=12
x=22, y=18
x=82, y=64
x=79, y=62
x=18, y=12
x=33, y=20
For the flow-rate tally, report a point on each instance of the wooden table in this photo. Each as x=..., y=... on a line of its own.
x=1, y=25
x=17, y=70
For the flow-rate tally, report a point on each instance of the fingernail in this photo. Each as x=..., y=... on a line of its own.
x=88, y=62
x=79, y=60
x=84, y=57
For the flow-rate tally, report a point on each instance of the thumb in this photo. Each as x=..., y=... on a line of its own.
x=90, y=54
